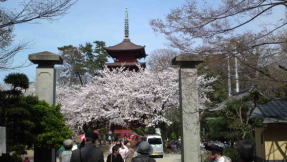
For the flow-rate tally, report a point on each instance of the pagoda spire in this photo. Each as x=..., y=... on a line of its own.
x=126, y=24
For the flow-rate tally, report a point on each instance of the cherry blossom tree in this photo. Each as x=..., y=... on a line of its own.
x=121, y=97
x=160, y=59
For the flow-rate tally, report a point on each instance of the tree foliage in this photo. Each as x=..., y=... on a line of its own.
x=73, y=68
x=28, y=121
x=197, y=19
x=226, y=28
x=10, y=158
x=17, y=80
x=81, y=63
x=234, y=122
x=95, y=57
x=161, y=59
x=52, y=129
x=121, y=97
x=256, y=67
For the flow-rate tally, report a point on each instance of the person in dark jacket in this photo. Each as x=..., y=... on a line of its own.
x=89, y=152
x=115, y=156
x=144, y=150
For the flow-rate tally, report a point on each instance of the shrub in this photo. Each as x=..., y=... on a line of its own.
x=173, y=136
x=232, y=153
x=53, y=130
x=10, y=158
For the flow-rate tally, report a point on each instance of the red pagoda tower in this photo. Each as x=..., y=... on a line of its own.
x=126, y=53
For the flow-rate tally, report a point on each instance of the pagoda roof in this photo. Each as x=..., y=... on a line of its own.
x=126, y=44
x=119, y=64
x=126, y=65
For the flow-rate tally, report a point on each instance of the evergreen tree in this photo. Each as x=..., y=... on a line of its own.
x=81, y=63
x=28, y=121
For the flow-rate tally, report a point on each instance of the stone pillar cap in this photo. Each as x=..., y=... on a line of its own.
x=45, y=58
x=187, y=60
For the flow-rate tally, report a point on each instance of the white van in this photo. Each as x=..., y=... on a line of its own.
x=157, y=145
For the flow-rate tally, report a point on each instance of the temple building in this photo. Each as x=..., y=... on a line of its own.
x=126, y=54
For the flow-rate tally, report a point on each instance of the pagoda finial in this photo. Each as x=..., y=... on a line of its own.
x=126, y=24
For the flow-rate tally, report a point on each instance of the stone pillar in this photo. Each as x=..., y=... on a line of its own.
x=189, y=106
x=2, y=140
x=45, y=90
x=45, y=75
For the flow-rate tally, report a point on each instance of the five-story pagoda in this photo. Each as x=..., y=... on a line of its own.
x=126, y=54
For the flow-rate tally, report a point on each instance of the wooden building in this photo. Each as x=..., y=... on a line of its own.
x=126, y=54
x=271, y=139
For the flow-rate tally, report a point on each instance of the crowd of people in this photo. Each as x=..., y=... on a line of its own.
x=173, y=145
x=88, y=150
x=120, y=151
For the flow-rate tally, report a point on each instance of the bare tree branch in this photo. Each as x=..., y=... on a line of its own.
x=192, y=22
x=38, y=9
x=31, y=10
x=160, y=59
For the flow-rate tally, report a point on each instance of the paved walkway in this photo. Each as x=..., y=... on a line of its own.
x=169, y=158
x=166, y=158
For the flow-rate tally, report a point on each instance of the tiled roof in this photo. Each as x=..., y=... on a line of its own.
x=274, y=111
x=125, y=64
x=236, y=96
x=126, y=44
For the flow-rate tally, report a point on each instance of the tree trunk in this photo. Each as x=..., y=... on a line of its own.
x=80, y=78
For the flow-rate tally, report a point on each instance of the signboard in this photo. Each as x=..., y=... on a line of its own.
x=131, y=137
x=2, y=140
x=123, y=134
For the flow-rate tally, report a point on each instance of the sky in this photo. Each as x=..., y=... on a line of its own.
x=90, y=20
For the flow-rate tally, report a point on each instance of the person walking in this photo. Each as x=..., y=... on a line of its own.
x=123, y=149
x=218, y=155
x=115, y=156
x=131, y=153
x=26, y=159
x=89, y=152
x=144, y=150
x=65, y=156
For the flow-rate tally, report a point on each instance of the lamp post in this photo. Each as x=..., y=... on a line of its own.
x=189, y=106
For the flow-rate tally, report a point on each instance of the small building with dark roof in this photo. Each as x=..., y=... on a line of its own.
x=271, y=139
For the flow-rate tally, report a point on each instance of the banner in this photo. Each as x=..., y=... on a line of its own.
x=131, y=137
